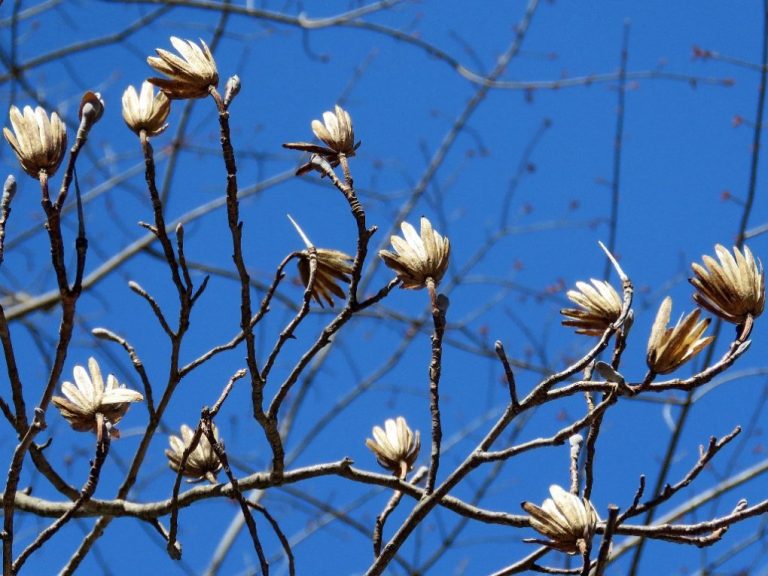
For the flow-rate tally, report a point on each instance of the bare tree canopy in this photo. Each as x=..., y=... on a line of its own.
x=386, y=287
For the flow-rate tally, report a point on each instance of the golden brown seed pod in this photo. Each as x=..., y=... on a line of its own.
x=39, y=142
x=89, y=397
x=566, y=519
x=336, y=132
x=669, y=348
x=600, y=306
x=395, y=446
x=146, y=110
x=202, y=463
x=418, y=257
x=190, y=75
x=731, y=287
x=333, y=267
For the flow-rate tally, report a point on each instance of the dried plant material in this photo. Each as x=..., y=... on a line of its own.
x=733, y=288
x=333, y=266
x=336, y=132
x=91, y=108
x=396, y=447
x=146, y=111
x=669, y=348
x=600, y=307
x=202, y=463
x=566, y=519
x=418, y=257
x=231, y=89
x=39, y=142
x=190, y=76
x=88, y=398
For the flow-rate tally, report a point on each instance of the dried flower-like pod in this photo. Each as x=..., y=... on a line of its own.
x=733, y=288
x=566, y=519
x=190, y=76
x=669, y=348
x=333, y=266
x=39, y=142
x=395, y=446
x=146, y=110
x=418, y=257
x=336, y=132
x=202, y=463
x=88, y=397
x=600, y=307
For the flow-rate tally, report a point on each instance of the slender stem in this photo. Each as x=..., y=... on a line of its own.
x=287, y=333
x=66, y=326
x=510, y=375
x=102, y=449
x=157, y=207
x=172, y=546
x=435, y=367
x=174, y=550
x=222, y=454
x=358, y=212
x=236, y=231
x=284, y=542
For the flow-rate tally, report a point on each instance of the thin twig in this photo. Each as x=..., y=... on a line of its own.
x=157, y=207
x=136, y=362
x=287, y=333
x=510, y=375
x=102, y=449
x=439, y=307
x=218, y=448
x=392, y=503
x=136, y=288
x=605, y=546
x=286, y=545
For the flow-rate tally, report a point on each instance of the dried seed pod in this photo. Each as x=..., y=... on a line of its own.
x=39, y=142
x=418, y=257
x=566, y=519
x=396, y=447
x=333, y=266
x=202, y=463
x=146, y=110
x=669, y=348
x=336, y=132
x=190, y=75
x=600, y=307
x=732, y=287
x=89, y=397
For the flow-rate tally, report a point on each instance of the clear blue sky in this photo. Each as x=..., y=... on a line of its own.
x=685, y=166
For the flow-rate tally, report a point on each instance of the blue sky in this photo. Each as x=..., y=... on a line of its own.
x=685, y=166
